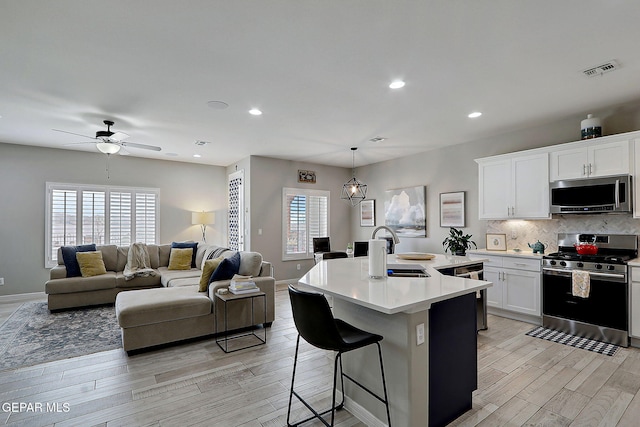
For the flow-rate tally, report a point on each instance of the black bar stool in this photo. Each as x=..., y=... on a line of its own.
x=315, y=323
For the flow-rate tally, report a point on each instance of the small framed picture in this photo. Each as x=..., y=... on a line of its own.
x=305, y=176
x=496, y=242
x=452, y=209
x=367, y=213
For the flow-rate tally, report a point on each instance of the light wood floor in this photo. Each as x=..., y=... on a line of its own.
x=522, y=381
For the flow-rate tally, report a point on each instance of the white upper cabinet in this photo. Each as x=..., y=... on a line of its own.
x=514, y=187
x=594, y=159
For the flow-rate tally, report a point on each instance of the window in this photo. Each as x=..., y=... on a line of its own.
x=305, y=215
x=81, y=214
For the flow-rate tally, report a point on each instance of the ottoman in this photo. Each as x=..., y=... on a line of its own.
x=151, y=317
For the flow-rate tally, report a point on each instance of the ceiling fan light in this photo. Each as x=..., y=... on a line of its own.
x=107, y=147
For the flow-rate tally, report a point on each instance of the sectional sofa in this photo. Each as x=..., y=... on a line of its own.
x=167, y=306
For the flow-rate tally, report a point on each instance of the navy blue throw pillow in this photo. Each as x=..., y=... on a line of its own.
x=69, y=258
x=227, y=268
x=187, y=245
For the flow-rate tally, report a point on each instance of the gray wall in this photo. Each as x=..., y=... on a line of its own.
x=184, y=187
x=268, y=177
x=453, y=169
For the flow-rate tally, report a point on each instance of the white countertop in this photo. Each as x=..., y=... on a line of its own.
x=510, y=252
x=348, y=279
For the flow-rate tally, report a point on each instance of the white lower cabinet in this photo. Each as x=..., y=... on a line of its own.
x=516, y=283
x=634, y=322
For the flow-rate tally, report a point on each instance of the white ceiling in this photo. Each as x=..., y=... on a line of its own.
x=319, y=70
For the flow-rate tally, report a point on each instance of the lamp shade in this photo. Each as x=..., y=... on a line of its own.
x=107, y=147
x=199, y=218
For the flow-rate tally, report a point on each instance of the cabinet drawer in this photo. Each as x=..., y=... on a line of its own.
x=492, y=261
x=521, y=263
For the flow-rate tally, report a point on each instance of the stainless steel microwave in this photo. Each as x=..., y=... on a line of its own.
x=596, y=195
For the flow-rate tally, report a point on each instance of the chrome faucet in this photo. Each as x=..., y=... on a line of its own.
x=396, y=240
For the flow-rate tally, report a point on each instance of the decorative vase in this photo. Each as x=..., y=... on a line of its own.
x=590, y=127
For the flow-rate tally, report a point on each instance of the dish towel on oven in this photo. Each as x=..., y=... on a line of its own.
x=580, y=283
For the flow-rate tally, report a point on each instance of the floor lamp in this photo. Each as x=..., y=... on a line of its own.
x=202, y=219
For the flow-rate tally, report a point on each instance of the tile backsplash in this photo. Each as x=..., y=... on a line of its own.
x=521, y=232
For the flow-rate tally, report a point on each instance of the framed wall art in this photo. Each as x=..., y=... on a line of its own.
x=405, y=211
x=367, y=213
x=452, y=209
x=308, y=177
x=496, y=242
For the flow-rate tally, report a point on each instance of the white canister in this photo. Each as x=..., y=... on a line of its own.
x=377, y=258
x=590, y=127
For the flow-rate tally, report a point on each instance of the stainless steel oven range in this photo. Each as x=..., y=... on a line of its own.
x=603, y=314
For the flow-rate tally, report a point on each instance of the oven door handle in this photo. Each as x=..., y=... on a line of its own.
x=591, y=273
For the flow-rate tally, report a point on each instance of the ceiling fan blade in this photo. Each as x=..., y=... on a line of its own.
x=79, y=143
x=118, y=136
x=72, y=133
x=143, y=146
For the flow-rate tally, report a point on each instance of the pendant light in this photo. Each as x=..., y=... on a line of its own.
x=353, y=190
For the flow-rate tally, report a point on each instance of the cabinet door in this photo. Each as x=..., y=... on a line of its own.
x=609, y=159
x=494, y=293
x=635, y=310
x=494, y=189
x=569, y=164
x=530, y=186
x=522, y=291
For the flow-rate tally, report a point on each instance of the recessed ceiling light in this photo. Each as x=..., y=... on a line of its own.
x=255, y=112
x=197, y=156
x=217, y=105
x=475, y=114
x=377, y=139
x=397, y=84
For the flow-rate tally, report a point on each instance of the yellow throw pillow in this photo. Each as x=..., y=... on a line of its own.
x=208, y=268
x=91, y=263
x=180, y=259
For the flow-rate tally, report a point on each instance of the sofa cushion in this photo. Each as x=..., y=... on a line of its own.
x=227, y=268
x=185, y=245
x=208, y=267
x=168, y=276
x=91, y=263
x=164, y=251
x=81, y=284
x=250, y=263
x=109, y=256
x=151, y=306
x=69, y=257
x=154, y=258
x=180, y=258
x=213, y=252
x=137, y=282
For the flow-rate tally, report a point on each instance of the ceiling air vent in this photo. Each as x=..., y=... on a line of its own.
x=201, y=143
x=601, y=69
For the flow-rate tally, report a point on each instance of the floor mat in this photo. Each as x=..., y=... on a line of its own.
x=573, y=341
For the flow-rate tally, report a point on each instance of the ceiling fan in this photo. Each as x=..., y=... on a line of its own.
x=109, y=142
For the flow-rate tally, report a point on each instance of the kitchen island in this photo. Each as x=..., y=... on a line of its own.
x=429, y=330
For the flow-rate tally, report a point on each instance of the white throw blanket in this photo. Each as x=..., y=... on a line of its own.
x=138, y=264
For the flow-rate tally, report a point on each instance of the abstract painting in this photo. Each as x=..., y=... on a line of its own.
x=405, y=211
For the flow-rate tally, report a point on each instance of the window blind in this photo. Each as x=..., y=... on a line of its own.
x=81, y=214
x=305, y=216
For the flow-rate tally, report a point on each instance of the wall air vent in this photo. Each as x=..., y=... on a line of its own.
x=601, y=69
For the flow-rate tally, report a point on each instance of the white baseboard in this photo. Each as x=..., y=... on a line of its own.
x=361, y=413
x=26, y=297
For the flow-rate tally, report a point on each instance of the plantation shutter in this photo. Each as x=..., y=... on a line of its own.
x=305, y=216
x=146, y=208
x=63, y=220
x=120, y=218
x=93, y=217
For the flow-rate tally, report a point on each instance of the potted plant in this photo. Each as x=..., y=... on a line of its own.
x=457, y=242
